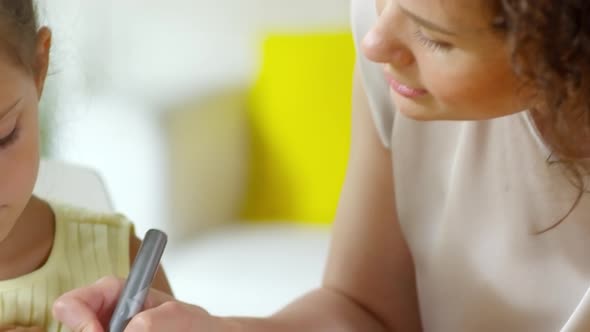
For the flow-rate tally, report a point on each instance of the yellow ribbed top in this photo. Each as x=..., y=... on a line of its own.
x=87, y=246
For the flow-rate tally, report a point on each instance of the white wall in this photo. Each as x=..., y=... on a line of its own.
x=118, y=64
x=153, y=49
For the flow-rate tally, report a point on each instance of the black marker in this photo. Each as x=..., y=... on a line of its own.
x=140, y=279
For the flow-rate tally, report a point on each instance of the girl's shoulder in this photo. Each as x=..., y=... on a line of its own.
x=91, y=236
x=67, y=214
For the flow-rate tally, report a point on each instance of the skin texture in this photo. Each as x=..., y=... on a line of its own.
x=466, y=69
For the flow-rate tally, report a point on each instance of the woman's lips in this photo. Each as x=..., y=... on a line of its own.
x=404, y=90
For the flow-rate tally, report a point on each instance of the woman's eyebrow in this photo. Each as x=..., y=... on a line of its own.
x=427, y=24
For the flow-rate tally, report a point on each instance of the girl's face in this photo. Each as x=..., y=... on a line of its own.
x=20, y=91
x=444, y=61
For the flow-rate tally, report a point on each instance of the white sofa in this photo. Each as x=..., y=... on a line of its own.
x=231, y=269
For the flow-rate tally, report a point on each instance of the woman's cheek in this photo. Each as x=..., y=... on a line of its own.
x=462, y=84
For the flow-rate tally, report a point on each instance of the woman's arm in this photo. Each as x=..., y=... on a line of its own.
x=369, y=284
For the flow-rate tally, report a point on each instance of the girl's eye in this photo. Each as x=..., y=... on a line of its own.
x=7, y=140
x=435, y=46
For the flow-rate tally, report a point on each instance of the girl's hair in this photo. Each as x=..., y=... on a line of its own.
x=18, y=31
x=550, y=45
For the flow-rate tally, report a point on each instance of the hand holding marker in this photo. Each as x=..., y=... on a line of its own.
x=140, y=279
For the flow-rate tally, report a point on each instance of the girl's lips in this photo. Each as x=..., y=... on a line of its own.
x=403, y=89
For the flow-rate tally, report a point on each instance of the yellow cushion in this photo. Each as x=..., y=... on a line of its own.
x=300, y=122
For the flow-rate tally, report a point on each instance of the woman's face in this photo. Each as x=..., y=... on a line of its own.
x=443, y=60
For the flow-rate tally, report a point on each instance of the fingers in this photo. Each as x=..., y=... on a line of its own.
x=89, y=309
x=170, y=316
x=175, y=316
x=156, y=298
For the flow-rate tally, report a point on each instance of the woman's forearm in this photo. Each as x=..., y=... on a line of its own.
x=321, y=310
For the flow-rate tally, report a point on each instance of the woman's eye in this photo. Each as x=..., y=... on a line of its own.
x=434, y=45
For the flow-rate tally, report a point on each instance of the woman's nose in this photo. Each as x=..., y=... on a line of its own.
x=383, y=45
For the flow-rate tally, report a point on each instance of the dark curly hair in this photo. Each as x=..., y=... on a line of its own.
x=550, y=45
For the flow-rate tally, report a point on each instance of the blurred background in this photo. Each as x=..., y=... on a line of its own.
x=224, y=123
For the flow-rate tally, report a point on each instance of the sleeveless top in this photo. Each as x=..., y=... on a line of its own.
x=471, y=197
x=86, y=247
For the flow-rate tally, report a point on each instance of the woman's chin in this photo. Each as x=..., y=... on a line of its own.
x=419, y=109
x=418, y=112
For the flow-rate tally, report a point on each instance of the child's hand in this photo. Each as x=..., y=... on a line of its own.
x=21, y=329
x=88, y=310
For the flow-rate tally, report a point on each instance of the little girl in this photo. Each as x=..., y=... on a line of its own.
x=45, y=249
